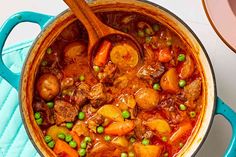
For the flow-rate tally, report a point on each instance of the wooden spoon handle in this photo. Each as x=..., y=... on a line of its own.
x=86, y=16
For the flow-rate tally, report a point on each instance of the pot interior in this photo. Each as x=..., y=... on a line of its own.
x=52, y=31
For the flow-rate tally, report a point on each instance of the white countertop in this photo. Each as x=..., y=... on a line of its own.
x=190, y=11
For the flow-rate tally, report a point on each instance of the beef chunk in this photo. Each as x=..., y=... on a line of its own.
x=108, y=73
x=82, y=94
x=97, y=95
x=150, y=72
x=45, y=112
x=193, y=90
x=64, y=111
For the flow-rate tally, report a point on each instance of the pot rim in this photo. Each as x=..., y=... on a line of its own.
x=155, y=5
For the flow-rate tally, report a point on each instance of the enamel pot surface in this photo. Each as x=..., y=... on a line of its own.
x=53, y=26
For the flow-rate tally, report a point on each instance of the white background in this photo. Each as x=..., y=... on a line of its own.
x=191, y=11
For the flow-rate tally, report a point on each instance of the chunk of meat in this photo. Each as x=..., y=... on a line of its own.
x=80, y=128
x=64, y=111
x=108, y=73
x=147, y=98
x=121, y=82
x=193, y=90
x=101, y=149
x=67, y=82
x=150, y=72
x=45, y=112
x=48, y=86
x=186, y=69
x=97, y=95
x=95, y=121
x=139, y=129
x=82, y=94
x=148, y=134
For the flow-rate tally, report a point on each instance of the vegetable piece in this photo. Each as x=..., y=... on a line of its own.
x=47, y=138
x=119, y=128
x=147, y=98
x=159, y=125
x=164, y=55
x=131, y=154
x=50, y=104
x=141, y=33
x=73, y=50
x=48, y=86
x=123, y=155
x=156, y=86
x=111, y=112
x=102, y=53
x=182, y=83
x=100, y=129
x=181, y=57
x=68, y=138
x=37, y=115
x=187, y=68
x=73, y=144
x=51, y=144
x=63, y=147
x=80, y=128
x=54, y=130
x=148, y=150
x=185, y=128
x=145, y=141
x=83, y=145
x=127, y=101
x=61, y=136
x=69, y=125
x=107, y=138
x=81, y=115
x=132, y=139
x=164, y=139
x=126, y=114
x=182, y=107
x=169, y=81
x=124, y=56
x=96, y=68
x=120, y=141
x=87, y=139
x=82, y=78
x=156, y=27
x=82, y=152
x=39, y=121
x=192, y=114
x=148, y=29
x=75, y=137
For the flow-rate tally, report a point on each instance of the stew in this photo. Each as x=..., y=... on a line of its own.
x=123, y=106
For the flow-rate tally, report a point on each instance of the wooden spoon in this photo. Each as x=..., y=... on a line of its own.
x=95, y=28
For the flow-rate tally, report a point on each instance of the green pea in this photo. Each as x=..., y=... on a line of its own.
x=181, y=57
x=125, y=114
x=182, y=107
x=82, y=78
x=156, y=86
x=44, y=63
x=51, y=144
x=140, y=33
x=164, y=139
x=156, y=27
x=50, y=104
x=123, y=155
x=148, y=39
x=145, y=141
x=100, y=129
x=131, y=154
x=87, y=139
x=107, y=138
x=83, y=144
x=166, y=154
x=82, y=152
x=68, y=138
x=182, y=83
x=39, y=121
x=192, y=114
x=81, y=115
x=148, y=31
x=132, y=139
x=61, y=136
x=181, y=145
x=69, y=125
x=37, y=115
x=47, y=139
x=49, y=51
x=96, y=68
x=73, y=144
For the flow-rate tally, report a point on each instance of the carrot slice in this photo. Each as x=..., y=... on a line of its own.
x=120, y=128
x=184, y=129
x=62, y=147
x=102, y=54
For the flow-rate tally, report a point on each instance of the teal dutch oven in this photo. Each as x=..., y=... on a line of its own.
x=51, y=28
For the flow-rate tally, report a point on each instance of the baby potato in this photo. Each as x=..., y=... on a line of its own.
x=124, y=56
x=169, y=81
x=74, y=49
x=48, y=86
x=147, y=98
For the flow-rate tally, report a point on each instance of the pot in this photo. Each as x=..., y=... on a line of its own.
x=51, y=28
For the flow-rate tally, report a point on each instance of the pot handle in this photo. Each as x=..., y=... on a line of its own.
x=40, y=19
x=230, y=115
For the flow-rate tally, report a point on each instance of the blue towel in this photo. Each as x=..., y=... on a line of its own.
x=14, y=141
